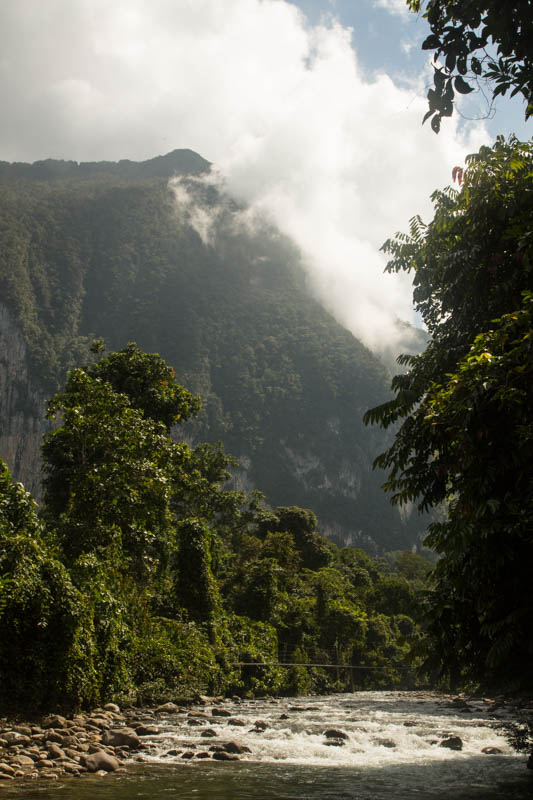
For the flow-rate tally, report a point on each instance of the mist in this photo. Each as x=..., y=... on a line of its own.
x=336, y=158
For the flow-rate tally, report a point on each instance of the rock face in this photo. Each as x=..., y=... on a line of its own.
x=22, y=407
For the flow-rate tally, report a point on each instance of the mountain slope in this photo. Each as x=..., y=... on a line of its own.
x=118, y=251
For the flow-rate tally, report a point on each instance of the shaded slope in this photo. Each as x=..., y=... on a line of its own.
x=106, y=250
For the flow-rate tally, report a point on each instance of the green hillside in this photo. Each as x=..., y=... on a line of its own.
x=104, y=250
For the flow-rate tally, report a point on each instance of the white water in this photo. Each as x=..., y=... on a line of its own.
x=392, y=752
x=383, y=728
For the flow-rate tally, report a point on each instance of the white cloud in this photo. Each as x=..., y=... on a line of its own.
x=395, y=6
x=339, y=161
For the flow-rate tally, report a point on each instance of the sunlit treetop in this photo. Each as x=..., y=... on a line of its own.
x=148, y=381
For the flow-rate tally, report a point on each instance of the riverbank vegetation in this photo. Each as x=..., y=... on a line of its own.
x=141, y=577
x=465, y=438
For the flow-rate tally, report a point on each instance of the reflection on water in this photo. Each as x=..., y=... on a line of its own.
x=392, y=751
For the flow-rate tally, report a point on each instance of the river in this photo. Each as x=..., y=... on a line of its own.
x=392, y=750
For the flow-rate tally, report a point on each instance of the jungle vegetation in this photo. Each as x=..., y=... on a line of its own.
x=140, y=577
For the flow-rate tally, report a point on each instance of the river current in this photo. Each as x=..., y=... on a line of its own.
x=390, y=748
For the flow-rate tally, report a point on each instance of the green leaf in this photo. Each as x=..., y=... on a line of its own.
x=431, y=42
x=462, y=86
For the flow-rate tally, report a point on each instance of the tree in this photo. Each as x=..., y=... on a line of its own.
x=461, y=31
x=301, y=523
x=148, y=382
x=105, y=473
x=46, y=653
x=466, y=433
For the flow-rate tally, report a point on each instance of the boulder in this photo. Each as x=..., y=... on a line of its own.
x=235, y=747
x=54, y=721
x=168, y=708
x=112, y=707
x=220, y=712
x=55, y=752
x=238, y=723
x=146, y=730
x=99, y=761
x=491, y=751
x=22, y=761
x=53, y=736
x=222, y=755
x=12, y=738
x=335, y=733
x=121, y=737
x=452, y=743
x=209, y=733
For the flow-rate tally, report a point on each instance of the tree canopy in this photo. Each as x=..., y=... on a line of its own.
x=144, y=577
x=464, y=36
x=464, y=407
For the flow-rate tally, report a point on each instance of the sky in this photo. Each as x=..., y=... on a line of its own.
x=309, y=110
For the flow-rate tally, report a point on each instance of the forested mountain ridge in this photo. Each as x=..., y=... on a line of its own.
x=115, y=250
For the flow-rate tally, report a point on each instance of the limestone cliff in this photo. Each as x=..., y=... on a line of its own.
x=22, y=406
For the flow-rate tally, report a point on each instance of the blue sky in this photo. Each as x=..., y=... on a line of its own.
x=310, y=111
x=386, y=36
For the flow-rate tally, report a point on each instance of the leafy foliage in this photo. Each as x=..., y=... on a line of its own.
x=144, y=579
x=465, y=438
x=461, y=32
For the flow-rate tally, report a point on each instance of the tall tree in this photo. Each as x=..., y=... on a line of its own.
x=465, y=408
x=477, y=42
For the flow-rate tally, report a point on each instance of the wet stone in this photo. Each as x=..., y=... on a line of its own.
x=452, y=743
x=235, y=747
x=146, y=730
x=335, y=733
x=222, y=755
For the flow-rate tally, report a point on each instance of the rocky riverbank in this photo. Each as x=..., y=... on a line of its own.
x=105, y=739
x=100, y=741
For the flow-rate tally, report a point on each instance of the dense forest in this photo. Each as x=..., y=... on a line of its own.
x=116, y=251
x=143, y=578
x=144, y=573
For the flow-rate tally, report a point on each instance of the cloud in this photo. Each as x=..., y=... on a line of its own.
x=395, y=6
x=337, y=160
